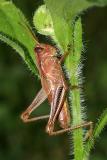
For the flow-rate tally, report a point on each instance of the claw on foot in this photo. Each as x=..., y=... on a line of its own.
x=25, y=116
x=89, y=132
x=49, y=128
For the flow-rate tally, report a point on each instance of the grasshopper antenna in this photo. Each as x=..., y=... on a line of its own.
x=29, y=30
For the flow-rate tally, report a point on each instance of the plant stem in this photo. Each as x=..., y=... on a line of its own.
x=72, y=63
x=77, y=119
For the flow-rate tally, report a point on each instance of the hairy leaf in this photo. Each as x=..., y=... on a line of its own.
x=102, y=122
x=14, y=31
x=63, y=14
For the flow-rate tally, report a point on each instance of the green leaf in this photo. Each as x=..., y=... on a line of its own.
x=62, y=29
x=14, y=32
x=43, y=23
x=63, y=13
x=102, y=122
x=100, y=3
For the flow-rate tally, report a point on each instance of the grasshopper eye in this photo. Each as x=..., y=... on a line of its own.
x=39, y=50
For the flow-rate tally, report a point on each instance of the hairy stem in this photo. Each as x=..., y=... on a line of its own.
x=72, y=64
x=76, y=116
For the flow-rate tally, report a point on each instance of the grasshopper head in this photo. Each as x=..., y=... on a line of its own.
x=44, y=49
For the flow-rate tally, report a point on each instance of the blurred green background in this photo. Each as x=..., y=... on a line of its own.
x=18, y=88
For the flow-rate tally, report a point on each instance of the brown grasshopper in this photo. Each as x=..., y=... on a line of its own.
x=54, y=87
